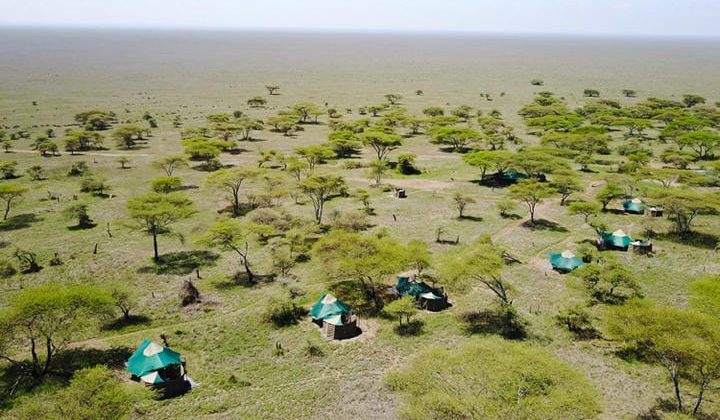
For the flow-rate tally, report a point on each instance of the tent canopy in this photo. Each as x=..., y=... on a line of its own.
x=405, y=286
x=634, y=206
x=565, y=261
x=150, y=357
x=329, y=309
x=617, y=239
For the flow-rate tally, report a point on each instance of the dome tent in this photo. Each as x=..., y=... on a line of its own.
x=160, y=367
x=615, y=240
x=564, y=262
x=635, y=206
x=430, y=299
x=335, y=317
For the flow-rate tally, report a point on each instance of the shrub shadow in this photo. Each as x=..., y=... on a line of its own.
x=20, y=221
x=183, y=262
x=542, y=224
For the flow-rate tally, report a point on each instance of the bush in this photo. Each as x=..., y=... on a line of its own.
x=166, y=184
x=93, y=393
x=7, y=269
x=578, y=321
x=283, y=313
x=351, y=221
x=78, y=169
x=509, y=380
x=505, y=207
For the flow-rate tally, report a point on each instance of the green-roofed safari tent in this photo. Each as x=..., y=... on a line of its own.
x=159, y=367
x=430, y=298
x=635, y=206
x=615, y=240
x=334, y=317
x=564, y=262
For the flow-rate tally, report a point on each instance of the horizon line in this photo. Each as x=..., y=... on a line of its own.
x=364, y=31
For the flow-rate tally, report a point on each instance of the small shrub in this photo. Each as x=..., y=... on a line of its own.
x=313, y=349
x=166, y=184
x=78, y=169
x=578, y=321
x=283, y=313
x=7, y=269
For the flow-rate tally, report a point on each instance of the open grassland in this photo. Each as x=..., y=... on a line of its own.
x=227, y=343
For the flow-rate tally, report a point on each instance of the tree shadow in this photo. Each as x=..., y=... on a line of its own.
x=412, y=328
x=505, y=322
x=511, y=216
x=122, y=322
x=84, y=226
x=16, y=382
x=241, y=279
x=20, y=221
x=471, y=218
x=542, y=224
x=358, y=299
x=182, y=262
x=244, y=209
x=694, y=239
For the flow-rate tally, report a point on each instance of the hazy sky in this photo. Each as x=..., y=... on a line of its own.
x=614, y=17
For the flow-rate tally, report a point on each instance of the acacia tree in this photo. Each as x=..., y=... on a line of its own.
x=383, y=141
x=315, y=154
x=8, y=194
x=319, y=188
x=684, y=342
x=45, y=319
x=393, y=98
x=230, y=180
x=684, y=205
x=234, y=235
x=155, y=213
x=478, y=262
x=376, y=170
x=366, y=259
x=586, y=209
x=701, y=142
x=169, y=164
x=272, y=89
x=566, y=183
x=128, y=135
x=456, y=137
x=531, y=192
x=461, y=201
x=403, y=307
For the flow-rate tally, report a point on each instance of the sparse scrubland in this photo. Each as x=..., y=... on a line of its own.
x=267, y=195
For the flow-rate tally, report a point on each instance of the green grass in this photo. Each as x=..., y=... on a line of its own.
x=227, y=344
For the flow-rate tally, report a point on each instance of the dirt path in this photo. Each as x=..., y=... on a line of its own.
x=91, y=153
x=418, y=184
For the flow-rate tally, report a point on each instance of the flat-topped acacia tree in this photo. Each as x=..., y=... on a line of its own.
x=319, y=189
x=230, y=180
x=381, y=140
x=10, y=193
x=155, y=213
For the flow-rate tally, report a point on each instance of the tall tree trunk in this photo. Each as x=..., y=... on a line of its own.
x=7, y=209
x=36, y=362
x=48, y=356
x=156, y=255
x=676, y=385
x=699, y=398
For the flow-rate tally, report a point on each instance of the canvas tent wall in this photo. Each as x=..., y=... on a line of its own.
x=334, y=317
x=159, y=367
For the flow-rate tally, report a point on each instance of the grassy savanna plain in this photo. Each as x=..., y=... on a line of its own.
x=227, y=343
